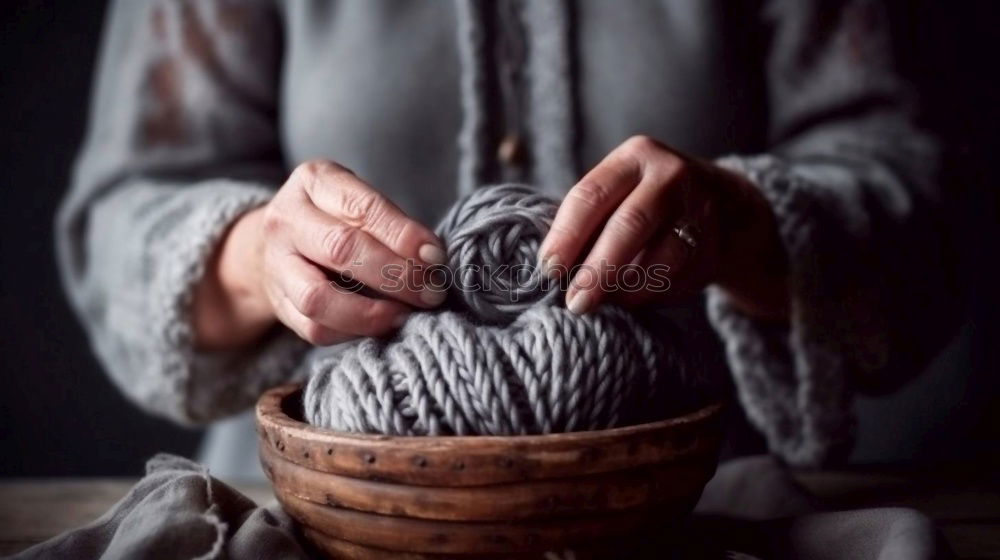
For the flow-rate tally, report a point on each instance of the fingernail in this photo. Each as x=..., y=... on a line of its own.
x=579, y=303
x=585, y=279
x=550, y=266
x=433, y=298
x=432, y=254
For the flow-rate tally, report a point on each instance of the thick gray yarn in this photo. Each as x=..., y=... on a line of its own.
x=504, y=357
x=496, y=364
x=493, y=237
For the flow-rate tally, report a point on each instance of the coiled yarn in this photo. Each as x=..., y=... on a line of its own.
x=504, y=358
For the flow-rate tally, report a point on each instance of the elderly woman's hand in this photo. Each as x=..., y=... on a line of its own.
x=649, y=224
x=277, y=262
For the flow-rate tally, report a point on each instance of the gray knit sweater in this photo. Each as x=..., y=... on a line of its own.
x=202, y=107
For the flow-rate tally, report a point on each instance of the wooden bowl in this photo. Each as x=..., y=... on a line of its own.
x=364, y=496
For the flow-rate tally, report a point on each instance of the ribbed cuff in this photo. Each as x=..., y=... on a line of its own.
x=203, y=386
x=792, y=380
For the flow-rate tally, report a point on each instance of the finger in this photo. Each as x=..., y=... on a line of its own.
x=664, y=272
x=587, y=205
x=334, y=308
x=338, y=192
x=354, y=253
x=629, y=228
x=307, y=329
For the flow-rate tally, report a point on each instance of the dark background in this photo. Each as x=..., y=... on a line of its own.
x=59, y=415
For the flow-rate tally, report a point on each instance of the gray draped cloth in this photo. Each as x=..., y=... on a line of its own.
x=751, y=509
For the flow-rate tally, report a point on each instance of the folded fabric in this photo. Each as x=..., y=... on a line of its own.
x=751, y=509
x=178, y=511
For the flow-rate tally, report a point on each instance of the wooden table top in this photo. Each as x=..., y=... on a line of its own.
x=965, y=507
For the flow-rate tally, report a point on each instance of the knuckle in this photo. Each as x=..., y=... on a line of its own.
x=309, y=174
x=272, y=220
x=308, y=169
x=592, y=193
x=559, y=231
x=305, y=176
x=632, y=221
x=340, y=245
x=359, y=207
x=312, y=301
x=668, y=167
x=399, y=233
x=640, y=143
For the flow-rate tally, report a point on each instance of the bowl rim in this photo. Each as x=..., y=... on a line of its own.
x=270, y=411
x=482, y=460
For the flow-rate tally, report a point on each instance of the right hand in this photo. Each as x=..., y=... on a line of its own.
x=275, y=261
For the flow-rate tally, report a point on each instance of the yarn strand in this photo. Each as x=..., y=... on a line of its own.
x=504, y=357
x=495, y=364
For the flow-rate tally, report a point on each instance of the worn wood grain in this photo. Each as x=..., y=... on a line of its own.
x=478, y=460
x=533, y=499
x=468, y=538
x=484, y=495
x=965, y=506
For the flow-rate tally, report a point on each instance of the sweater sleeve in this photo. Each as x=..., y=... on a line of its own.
x=852, y=183
x=182, y=140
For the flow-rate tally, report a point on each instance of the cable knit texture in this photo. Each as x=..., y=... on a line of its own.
x=161, y=179
x=506, y=359
x=792, y=381
x=201, y=106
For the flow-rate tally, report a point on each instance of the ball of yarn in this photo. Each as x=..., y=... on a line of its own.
x=493, y=237
x=505, y=358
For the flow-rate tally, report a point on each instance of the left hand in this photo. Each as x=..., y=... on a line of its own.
x=620, y=224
